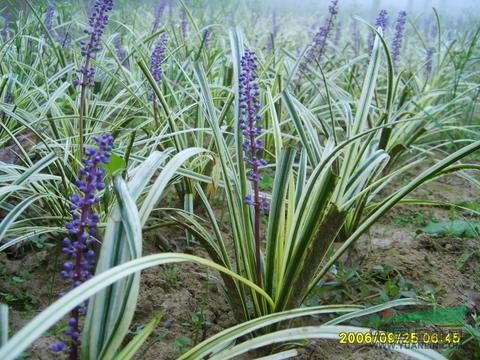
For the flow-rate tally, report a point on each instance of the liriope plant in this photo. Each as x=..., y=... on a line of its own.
x=314, y=194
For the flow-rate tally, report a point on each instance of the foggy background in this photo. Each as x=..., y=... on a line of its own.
x=457, y=7
x=446, y=7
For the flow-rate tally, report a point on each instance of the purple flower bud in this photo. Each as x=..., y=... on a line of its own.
x=68, y=251
x=58, y=347
x=72, y=321
x=265, y=205
x=68, y=266
x=66, y=275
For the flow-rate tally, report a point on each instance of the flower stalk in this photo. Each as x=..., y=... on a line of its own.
x=97, y=23
x=252, y=146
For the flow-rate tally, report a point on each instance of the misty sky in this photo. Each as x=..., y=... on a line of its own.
x=444, y=6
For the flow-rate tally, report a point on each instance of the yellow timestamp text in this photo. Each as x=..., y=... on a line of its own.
x=403, y=338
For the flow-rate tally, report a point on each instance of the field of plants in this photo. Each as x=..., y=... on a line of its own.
x=221, y=179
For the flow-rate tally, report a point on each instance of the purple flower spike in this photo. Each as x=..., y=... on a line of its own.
x=7, y=20
x=338, y=34
x=156, y=61
x=382, y=22
x=184, y=20
x=397, y=39
x=320, y=40
x=7, y=99
x=49, y=16
x=117, y=43
x=159, y=10
x=382, y=19
x=319, y=45
x=275, y=29
x=429, y=61
x=252, y=145
x=77, y=269
x=249, y=105
x=275, y=25
x=355, y=37
x=430, y=28
x=64, y=38
x=207, y=38
x=95, y=29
